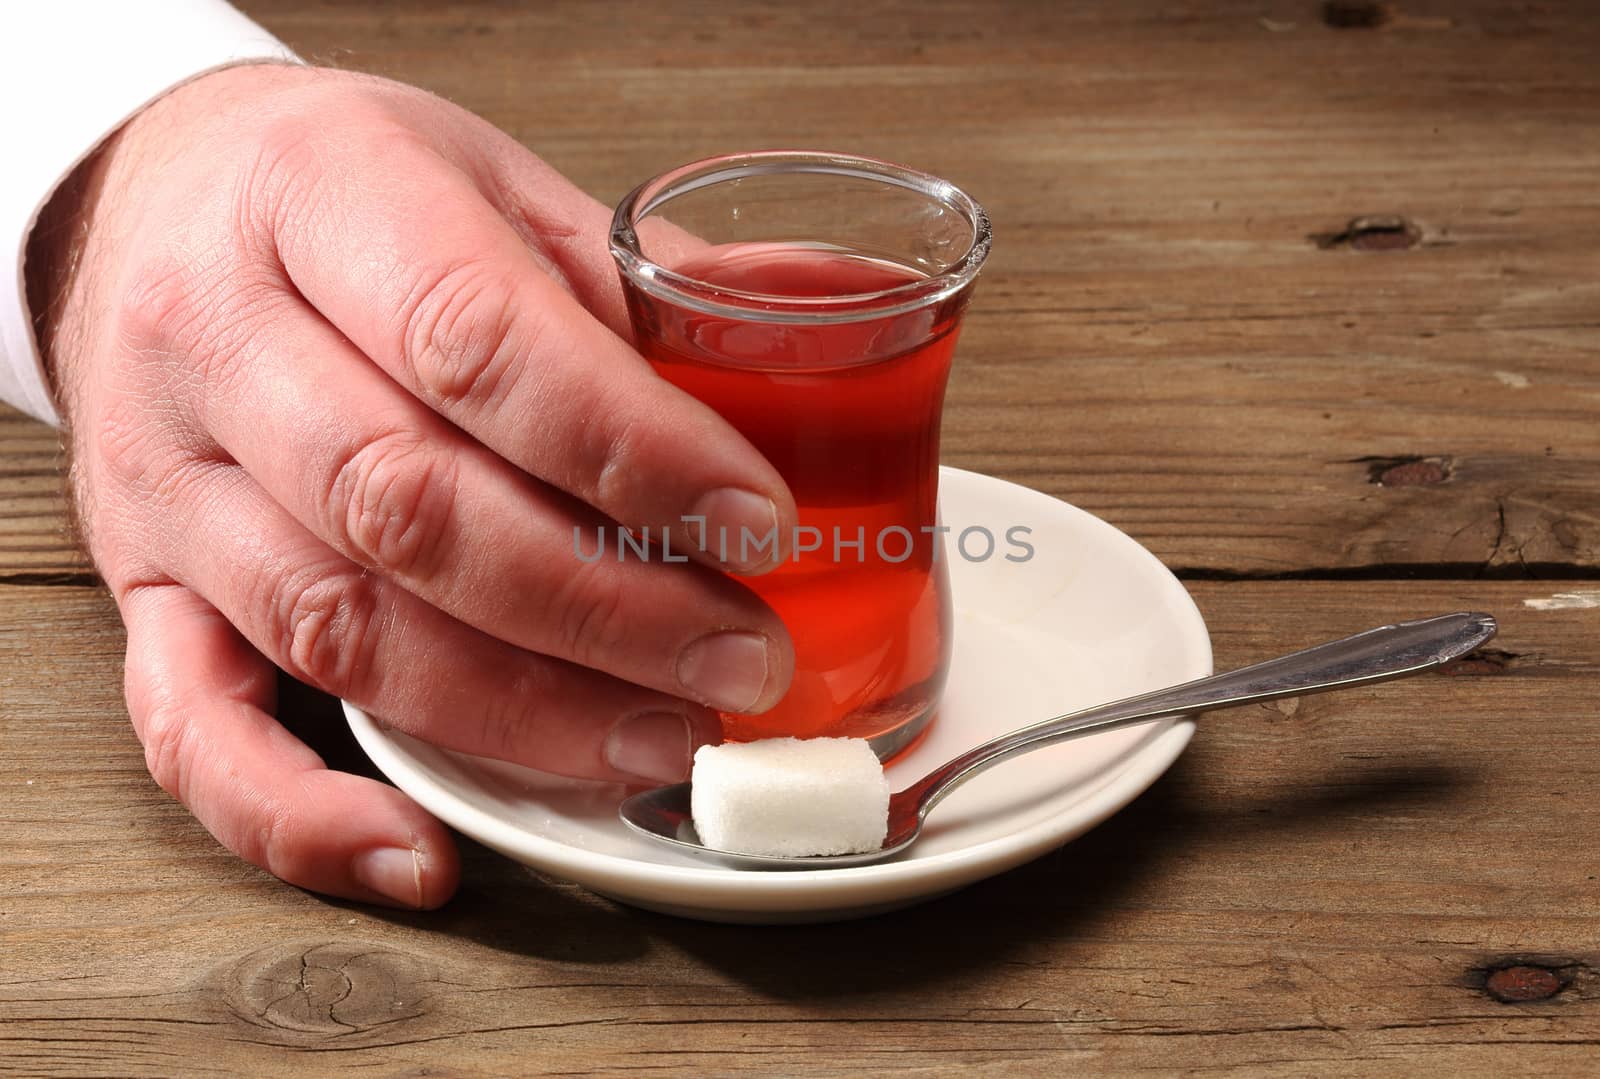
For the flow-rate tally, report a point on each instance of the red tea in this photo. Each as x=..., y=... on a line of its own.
x=848, y=412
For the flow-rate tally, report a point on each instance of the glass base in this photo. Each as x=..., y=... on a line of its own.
x=890, y=744
x=881, y=729
x=888, y=726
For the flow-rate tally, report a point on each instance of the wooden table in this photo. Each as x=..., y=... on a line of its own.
x=1305, y=298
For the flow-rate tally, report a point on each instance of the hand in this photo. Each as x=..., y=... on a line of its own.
x=343, y=366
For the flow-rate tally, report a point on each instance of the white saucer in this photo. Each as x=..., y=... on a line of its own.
x=1091, y=617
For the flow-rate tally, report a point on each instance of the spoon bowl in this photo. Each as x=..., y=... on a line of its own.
x=1376, y=655
x=662, y=813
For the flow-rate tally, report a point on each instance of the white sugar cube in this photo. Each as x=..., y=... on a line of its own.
x=790, y=797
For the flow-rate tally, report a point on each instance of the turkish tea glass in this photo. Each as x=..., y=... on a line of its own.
x=813, y=300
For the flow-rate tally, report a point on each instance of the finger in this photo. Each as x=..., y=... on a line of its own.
x=569, y=231
x=392, y=486
x=351, y=633
x=566, y=230
x=443, y=295
x=201, y=699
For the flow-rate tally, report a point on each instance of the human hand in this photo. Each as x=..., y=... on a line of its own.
x=343, y=366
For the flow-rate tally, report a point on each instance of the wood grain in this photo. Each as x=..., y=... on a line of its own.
x=1319, y=884
x=35, y=540
x=1180, y=330
x=1159, y=337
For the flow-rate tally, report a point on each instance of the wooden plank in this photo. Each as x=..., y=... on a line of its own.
x=1179, y=332
x=35, y=538
x=1319, y=885
x=1159, y=337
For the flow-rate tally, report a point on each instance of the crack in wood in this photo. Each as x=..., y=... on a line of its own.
x=1402, y=571
x=1377, y=232
x=1356, y=14
x=66, y=578
x=1375, y=571
x=1500, y=535
x=1483, y=661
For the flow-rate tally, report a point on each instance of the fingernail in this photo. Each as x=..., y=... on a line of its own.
x=392, y=871
x=725, y=670
x=654, y=746
x=741, y=528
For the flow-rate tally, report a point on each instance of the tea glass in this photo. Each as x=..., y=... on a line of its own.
x=813, y=300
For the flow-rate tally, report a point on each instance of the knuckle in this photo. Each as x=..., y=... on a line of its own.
x=123, y=438
x=614, y=454
x=461, y=336
x=201, y=314
x=325, y=625
x=588, y=616
x=169, y=748
x=289, y=153
x=274, y=841
x=137, y=460
x=392, y=499
x=613, y=462
x=509, y=720
x=156, y=305
x=290, y=188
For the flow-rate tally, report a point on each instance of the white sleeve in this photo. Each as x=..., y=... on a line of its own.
x=71, y=72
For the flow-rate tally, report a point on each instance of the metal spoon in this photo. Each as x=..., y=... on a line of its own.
x=1373, y=656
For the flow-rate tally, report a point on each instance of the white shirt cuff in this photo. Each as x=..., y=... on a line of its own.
x=72, y=72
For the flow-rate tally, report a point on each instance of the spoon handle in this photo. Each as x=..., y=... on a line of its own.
x=1372, y=656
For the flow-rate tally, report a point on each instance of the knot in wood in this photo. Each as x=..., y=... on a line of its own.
x=327, y=988
x=1529, y=979
x=1515, y=985
x=1408, y=471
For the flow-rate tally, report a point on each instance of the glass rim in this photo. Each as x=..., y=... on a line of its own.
x=691, y=292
